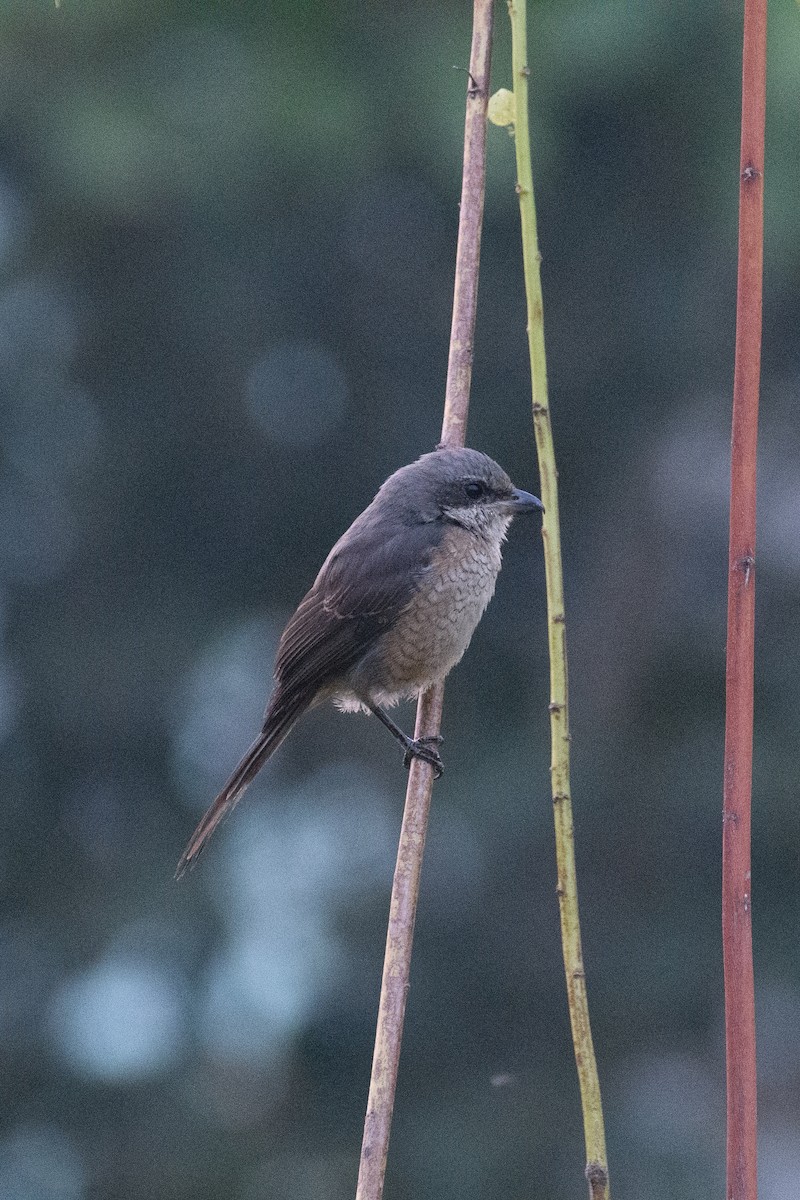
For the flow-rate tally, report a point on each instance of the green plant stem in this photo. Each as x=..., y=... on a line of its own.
x=405, y=887
x=594, y=1131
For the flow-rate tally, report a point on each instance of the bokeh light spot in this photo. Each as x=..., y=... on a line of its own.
x=39, y=1162
x=37, y=530
x=297, y=393
x=223, y=698
x=119, y=1021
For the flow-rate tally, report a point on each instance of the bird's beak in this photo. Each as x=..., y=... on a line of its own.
x=522, y=502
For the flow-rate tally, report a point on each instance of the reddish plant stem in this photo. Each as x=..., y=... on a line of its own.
x=737, y=939
x=405, y=887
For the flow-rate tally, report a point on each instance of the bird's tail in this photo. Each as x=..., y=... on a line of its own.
x=280, y=718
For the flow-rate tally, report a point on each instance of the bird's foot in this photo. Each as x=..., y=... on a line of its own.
x=425, y=748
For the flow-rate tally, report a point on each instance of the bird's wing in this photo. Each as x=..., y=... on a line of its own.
x=368, y=578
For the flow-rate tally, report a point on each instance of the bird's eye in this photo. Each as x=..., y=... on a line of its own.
x=475, y=489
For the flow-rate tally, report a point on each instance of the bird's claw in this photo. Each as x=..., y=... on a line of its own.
x=425, y=748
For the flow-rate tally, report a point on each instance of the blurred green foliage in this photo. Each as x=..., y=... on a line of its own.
x=226, y=257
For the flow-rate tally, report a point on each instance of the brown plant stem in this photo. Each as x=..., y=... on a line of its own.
x=737, y=934
x=405, y=887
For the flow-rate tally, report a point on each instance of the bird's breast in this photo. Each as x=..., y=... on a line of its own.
x=431, y=634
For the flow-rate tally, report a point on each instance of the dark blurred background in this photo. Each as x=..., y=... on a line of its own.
x=227, y=237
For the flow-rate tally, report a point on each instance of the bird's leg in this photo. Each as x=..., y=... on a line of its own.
x=424, y=747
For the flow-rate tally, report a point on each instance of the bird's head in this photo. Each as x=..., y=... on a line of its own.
x=463, y=487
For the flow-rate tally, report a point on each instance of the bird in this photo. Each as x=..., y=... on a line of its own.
x=392, y=610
